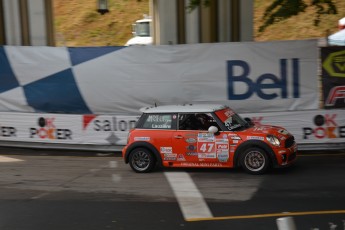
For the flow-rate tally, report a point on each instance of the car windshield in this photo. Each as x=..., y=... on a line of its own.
x=232, y=120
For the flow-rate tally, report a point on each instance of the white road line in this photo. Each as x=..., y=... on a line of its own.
x=39, y=196
x=190, y=200
x=113, y=164
x=115, y=177
x=9, y=159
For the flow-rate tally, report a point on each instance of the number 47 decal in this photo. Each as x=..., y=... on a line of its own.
x=206, y=147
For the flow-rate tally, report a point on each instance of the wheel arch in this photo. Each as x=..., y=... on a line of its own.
x=250, y=144
x=146, y=145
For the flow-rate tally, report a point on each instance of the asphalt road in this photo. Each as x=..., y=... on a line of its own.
x=70, y=190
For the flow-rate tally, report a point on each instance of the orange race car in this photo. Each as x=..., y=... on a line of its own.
x=205, y=136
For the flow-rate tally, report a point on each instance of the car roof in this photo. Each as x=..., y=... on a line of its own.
x=185, y=108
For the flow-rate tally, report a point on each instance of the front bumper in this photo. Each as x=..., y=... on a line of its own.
x=287, y=156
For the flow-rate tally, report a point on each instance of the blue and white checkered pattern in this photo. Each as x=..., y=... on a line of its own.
x=42, y=79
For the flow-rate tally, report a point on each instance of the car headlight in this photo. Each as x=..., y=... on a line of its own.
x=273, y=140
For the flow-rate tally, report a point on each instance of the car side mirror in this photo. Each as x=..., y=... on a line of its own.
x=213, y=129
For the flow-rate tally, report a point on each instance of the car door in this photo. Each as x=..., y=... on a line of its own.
x=193, y=144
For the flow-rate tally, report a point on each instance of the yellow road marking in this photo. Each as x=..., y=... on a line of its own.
x=269, y=215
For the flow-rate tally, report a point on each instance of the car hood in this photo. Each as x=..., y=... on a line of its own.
x=263, y=130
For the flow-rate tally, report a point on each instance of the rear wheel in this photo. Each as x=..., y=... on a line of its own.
x=142, y=160
x=255, y=161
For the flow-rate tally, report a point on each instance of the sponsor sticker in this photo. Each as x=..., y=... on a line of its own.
x=205, y=137
x=223, y=155
x=222, y=152
x=225, y=140
x=190, y=140
x=201, y=164
x=181, y=158
x=170, y=156
x=255, y=138
x=191, y=147
x=142, y=138
x=283, y=131
x=166, y=149
x=207, y=155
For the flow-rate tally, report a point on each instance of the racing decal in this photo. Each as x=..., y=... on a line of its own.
x=202, y=164
x=234, y=136
x=261, y=129
x=190, y=140
x=222, y=152
x=205, y=137
x=181, y=158
x=209, y=147
x=206, y=146
x=283, y=131
x=207, y=155
x=142, y=138
x=166, y=149
x=225, y=114
x=222, y=140
x=158, y=121
x=255, y=138
x=191, y=148
x=170, y=156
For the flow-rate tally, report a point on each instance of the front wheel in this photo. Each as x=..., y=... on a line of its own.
x=255, y=161
x=141, y=160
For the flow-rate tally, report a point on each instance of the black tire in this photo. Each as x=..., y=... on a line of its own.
x=255, y=161
x=141, y=160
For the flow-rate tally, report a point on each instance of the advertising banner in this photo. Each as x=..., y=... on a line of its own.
x=248, y=76
x=333, y=76
x=308, y=127
x=66, y=129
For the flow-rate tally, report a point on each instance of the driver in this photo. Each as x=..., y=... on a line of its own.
x=204, y=121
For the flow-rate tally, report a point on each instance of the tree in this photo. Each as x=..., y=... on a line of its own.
x=281, y=10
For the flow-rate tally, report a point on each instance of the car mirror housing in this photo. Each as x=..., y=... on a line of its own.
x=213, y=129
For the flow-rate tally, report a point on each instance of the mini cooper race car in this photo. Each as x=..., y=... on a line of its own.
x=205, y=136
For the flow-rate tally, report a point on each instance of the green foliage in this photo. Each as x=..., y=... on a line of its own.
x=283, y=9
x=280, y=10
x=323, y=7
x=193, y=4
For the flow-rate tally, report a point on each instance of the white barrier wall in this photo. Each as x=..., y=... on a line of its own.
x=308, y=127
